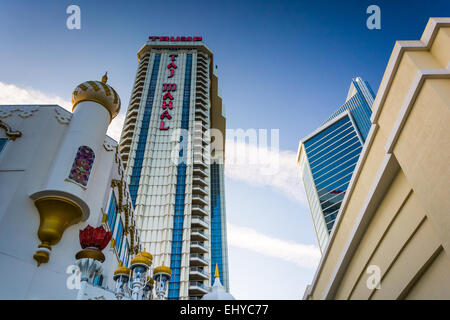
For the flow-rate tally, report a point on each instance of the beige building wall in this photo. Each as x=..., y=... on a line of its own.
x=396, y=214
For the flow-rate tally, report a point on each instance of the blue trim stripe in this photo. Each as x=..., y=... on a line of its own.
x=140, y=151
x=178, y=220
x=216, y=223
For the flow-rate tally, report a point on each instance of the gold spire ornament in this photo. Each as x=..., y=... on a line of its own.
x=105, y=77
x=217, y=274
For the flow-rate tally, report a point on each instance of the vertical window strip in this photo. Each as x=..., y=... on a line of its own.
x=126, y=254
x=216, y=221
x=177, y=236
x=142, y=141
x=119, y=237
x=112, y=212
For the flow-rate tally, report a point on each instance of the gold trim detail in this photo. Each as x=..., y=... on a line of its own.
x=10, y=133
x=41, y=257
x=105, y=87
x=56, y=215
x=90, y=253
x=94, y=85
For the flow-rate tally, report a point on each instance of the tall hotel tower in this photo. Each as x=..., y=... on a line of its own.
x=328, y=156
x=176, y=182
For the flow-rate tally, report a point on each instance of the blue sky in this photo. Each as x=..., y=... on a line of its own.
x=282, y=65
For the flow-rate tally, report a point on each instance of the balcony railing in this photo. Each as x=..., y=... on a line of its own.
x=200, y=244
x=199, y=209
x=197, y=287
x=199, y=256
x=200, y=219
x=197, y=284
x=201, y=99
x=199, y=270
x=201, y=112
x=200, y=180
x=199, y=232
x=198, y=169
x=199, y=189
x=198, y=198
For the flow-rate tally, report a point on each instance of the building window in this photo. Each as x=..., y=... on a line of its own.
x=82, y=165
x=119, y=237
x=112, y=212
x=3, y=142
x=126, y=255
x=98, y=281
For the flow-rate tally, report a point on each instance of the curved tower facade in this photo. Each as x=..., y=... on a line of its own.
x=176, y=182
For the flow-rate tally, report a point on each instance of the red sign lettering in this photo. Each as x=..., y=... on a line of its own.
x=175, y=39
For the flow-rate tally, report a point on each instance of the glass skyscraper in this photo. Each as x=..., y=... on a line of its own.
x=328, y=156
x=176, y=185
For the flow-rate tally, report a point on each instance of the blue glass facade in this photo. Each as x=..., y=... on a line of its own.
x=140, y=151
x=119, y=237
x=112, y=212
x=330, y=157
x=217, y=253
x=359, y=105
x=177, y=236
x=2, y=143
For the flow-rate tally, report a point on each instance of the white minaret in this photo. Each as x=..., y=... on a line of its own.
x=63, y=199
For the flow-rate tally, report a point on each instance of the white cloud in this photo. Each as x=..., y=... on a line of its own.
x=11, y=94
x=262, y=166
x=306, y=256
x=115, y=128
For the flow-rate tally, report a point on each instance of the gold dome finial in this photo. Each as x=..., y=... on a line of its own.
x=145, y=254
x=99, y=92
x=162, y=269
x=217, y=274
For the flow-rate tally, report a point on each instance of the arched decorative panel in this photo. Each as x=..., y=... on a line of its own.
x=82, y=165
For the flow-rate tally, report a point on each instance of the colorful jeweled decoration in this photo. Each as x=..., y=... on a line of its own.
x=82, y=165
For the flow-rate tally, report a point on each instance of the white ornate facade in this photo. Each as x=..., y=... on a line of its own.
x=59, y=173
